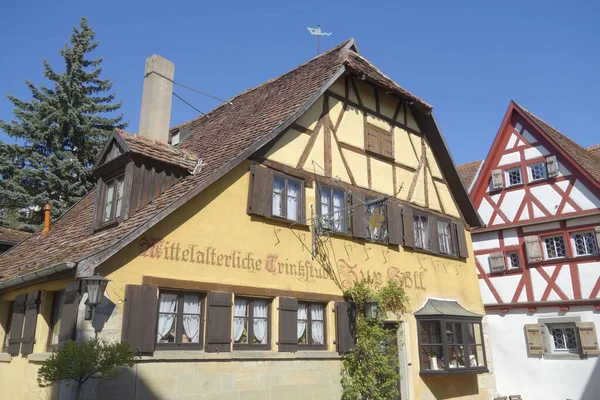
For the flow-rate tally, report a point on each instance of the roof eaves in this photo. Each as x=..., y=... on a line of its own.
x=86, y=266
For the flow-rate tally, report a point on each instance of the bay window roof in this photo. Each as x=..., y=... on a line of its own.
x=437, y=307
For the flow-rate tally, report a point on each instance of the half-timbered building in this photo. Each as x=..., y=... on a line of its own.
x=228, y=242
x=538, y=194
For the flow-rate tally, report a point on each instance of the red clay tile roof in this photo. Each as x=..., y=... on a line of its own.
x=586, y=160
x=468, y=172
x=159, y=151
x=595, y=151
x=232, y=132
x=9, y=235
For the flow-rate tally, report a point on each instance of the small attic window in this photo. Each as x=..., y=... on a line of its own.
x=112, y=203
x=175, y=138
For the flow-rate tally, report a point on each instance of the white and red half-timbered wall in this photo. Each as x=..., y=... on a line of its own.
x=562, y=205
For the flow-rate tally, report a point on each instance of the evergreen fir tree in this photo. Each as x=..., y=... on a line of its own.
x=62, y=130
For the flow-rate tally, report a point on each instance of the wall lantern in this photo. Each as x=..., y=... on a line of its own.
x=371, y=308
x=96, y=286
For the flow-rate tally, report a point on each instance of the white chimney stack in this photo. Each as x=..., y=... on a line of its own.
x=155, y=116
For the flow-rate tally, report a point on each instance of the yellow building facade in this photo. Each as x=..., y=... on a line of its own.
x=356, y=141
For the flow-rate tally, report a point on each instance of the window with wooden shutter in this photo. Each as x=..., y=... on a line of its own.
x=446, y=237
x=31, y=313
x=139, y=317
x=376, y=221
x=408, y=227
x=312, y=326
x=358, y=212
x=379, y=141
x=498, y=262
x=218, y=322
x=345, y=326
x=552, y=166
x=588, y=338
x=251, y=323
x=288, y=324
x=533, y=250
x=332, y=209
x=597, y=232
x=394, y=223
x=180, y=317
x=497, y=182
x=259, y=193
x=58, y=299
x=16, y=325
x=461, y=240
x=535, y=342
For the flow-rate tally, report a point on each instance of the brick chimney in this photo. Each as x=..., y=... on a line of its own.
x=155, y=115
x=47, y=209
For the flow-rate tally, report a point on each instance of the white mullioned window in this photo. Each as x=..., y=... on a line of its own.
x=564, y=338
x=537, y=171
x=333, y=209
x=513, y=176
x=421, y=229
x=445, y=237
x=286, y=198
x=554, y=247
x=513, y=260
x=584, y=243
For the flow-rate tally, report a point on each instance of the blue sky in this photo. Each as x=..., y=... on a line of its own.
x=467, y=58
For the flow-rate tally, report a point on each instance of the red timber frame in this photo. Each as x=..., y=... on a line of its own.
x=525, y=286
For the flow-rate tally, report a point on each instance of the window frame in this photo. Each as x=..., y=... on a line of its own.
x=284, y=196
x=562, y=325
x=5, y=343
x=530, y=171
x=179, y=322
x=250, y=317
x=331, y=190
x=308, y=345
x=573, y=246
x=451, y=236
x=101, y=201
x=507, y=176
x=416, y=215
x=464, y=321
x=509, y=264
x=56, y=296
x=545, y=250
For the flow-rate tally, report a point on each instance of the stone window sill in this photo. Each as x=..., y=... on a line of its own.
x=172, y=355
x=38, y=357
x=5, y=357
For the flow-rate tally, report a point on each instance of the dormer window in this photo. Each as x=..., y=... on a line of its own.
x=113, y=198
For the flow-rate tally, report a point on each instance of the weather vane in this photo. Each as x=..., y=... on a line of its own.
x=317, y=32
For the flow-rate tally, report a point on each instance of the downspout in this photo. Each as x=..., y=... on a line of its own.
x=38, y=274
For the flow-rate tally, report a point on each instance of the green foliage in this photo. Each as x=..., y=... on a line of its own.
x=58, y=134
x=77, y=362
x=371, y=370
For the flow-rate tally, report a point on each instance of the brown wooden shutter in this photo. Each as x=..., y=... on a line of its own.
x=68, y=319
x=461, y=239
x=259, y=194
x=408, y=226
x=288, y=324
x=31, y=313
x=497, y=182
x=535, y=343
x=597, y=230
x=533, y=250
x=140, y=316
x=394, y=222
x=498, y=261
x=387, y=146
x=373, y=139
x=345, y=326
x=588, y=338
x=16, y=325
x=218, y=322
x=433, y=237
x=359, y=216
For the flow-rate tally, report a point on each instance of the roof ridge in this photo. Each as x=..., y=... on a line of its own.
x=340, y=46
x=469, y=163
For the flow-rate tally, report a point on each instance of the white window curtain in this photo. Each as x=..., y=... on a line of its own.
x=325, y=202
x=120, y=186
x=338, y=205
x=191, y=319
x=168, y=304
x=260, y=321
x=239, y=310
x=293, y=191
x=316, y=329
x=109, y=200
x=301, y=316
x=278, y=186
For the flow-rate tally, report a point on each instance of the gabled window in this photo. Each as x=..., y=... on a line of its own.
x=513, y=177
x=332, y=209
x=179, y=320
x=537, y=172
x=251, y=323
x=584, y=243
x=311, y=326
x=554, y=247
x=422, y=231
x=57, y=306
x=287, y=198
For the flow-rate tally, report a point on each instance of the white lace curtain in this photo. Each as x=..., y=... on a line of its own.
x=191, y=319
x=338, y=205
x=293, y=191
x=316, y=329
x=260, y=321
x=167, y=304
x=278, y=186
x=302, y=316
x=239, y=310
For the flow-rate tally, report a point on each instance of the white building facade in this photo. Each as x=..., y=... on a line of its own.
x=538, y=193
